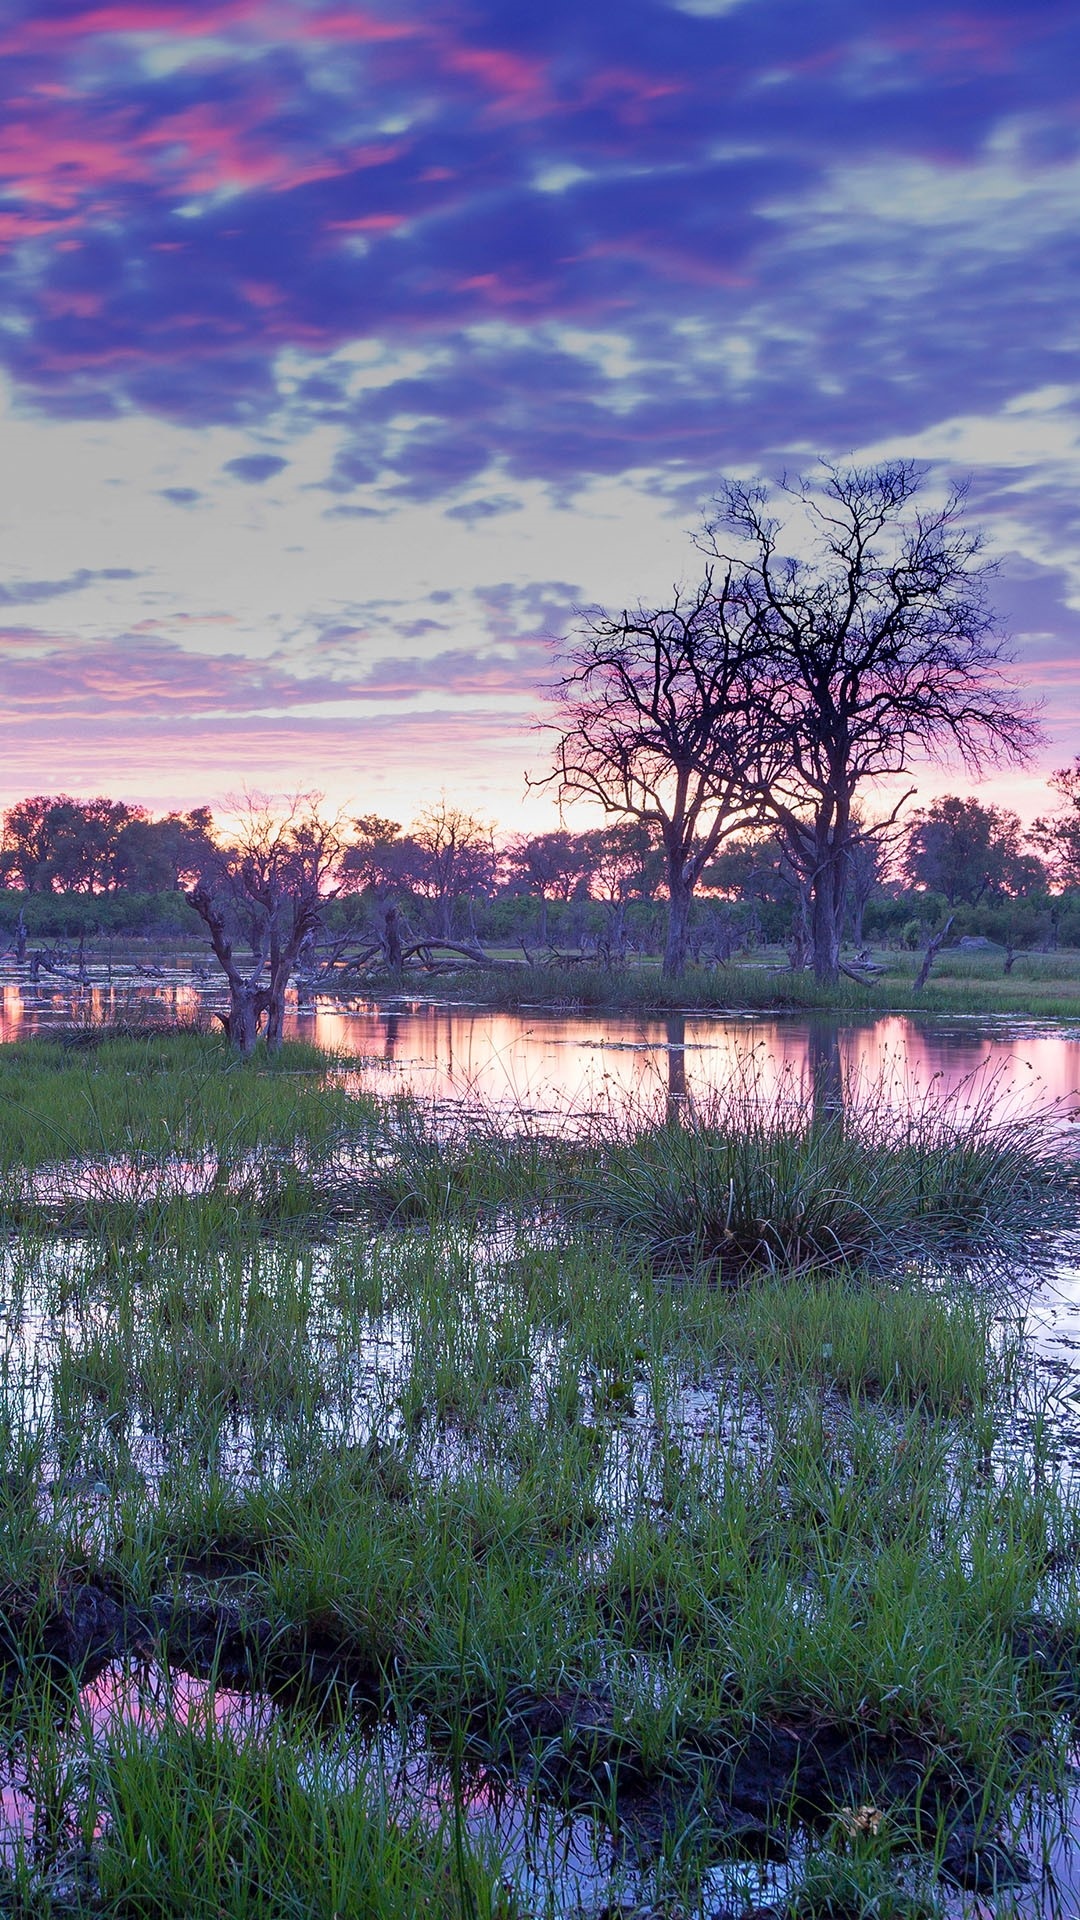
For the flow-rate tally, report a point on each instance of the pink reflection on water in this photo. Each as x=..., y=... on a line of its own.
x=555, y=1063
x=147, y=1698
x=562, y=1063
x=152, y=1698
x=16, y=1817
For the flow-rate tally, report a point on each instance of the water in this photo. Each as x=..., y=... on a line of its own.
x=556, y=1063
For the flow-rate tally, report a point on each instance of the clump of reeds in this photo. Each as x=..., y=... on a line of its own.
x=780, y=1185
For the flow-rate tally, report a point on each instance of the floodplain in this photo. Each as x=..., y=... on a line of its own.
x=661, y=1506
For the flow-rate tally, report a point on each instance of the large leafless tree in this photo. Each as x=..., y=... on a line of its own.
x=879, y=648
x=656, y=711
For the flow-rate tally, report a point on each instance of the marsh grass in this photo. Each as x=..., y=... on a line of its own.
x=477, y=1453
x=202, y=1824
x=780, y=1185
x=594, y=988
x=168, y=1095
x=1039, y=985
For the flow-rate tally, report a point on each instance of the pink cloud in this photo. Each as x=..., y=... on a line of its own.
x=188, y=20
x=632, y=94
x=178, y=18
x=515, y=83
x=959, y=41
x=42, y=674
x=354, y=23
x=369, y=223
x=164, y=763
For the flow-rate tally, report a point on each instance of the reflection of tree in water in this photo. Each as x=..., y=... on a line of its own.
x=391, y=1035
x=675, y=1026
x=826, y=1071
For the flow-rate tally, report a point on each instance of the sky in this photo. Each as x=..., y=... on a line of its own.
x=346, y=351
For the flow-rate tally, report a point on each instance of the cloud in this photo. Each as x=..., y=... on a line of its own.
x=207, y=213
x=180, y=496
x=469, y=512
x=25, y=592
x=255, y=467
x=461, y=258
x=144, y=676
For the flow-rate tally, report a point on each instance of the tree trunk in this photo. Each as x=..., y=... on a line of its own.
x=932, y=947
x=241, y=1023
x=394, y=958
x=275, y=1009
x=827, y=915
x=826, y=1074
x=247, y=1000
x=677, y=943
x=543, y=937
x=675, y=1104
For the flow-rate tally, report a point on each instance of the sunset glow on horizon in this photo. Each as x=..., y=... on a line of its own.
x=346, y=350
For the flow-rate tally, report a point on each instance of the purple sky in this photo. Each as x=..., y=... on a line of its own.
x=345, y=350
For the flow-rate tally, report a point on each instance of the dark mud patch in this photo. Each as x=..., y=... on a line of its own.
x=86, y=1628
x=744, y=1784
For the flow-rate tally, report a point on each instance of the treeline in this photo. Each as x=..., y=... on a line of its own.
x=100, y=866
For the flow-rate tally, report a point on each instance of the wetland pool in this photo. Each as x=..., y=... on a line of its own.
x=153, y=1370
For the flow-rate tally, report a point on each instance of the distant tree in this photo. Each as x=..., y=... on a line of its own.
x=880, y=648
x=160, y=856
x=653, y=724
x=373, y=859
x=56, y=844
x=966, y=851
x=451, y=857
x=1057, y=835
x=30, y=839
x=277, y=874
x=624, y=866
x=551, y=866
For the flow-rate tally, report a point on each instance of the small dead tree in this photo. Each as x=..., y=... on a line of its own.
x=933, y=948
x=278, y=876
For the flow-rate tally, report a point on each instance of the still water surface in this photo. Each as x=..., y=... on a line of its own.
x=552, y=1062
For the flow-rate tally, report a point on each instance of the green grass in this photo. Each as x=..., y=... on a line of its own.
x=470, y=1443
x=204, y=1825
x=172, y=1094
x=1043, y=986
x=746, y=1185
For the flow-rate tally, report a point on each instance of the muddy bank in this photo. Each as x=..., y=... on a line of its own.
x=743, y=1784
x=88, y=1627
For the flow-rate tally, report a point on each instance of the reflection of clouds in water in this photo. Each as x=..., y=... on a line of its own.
x=562, y=1061
x=557, y=1062
x=145, y=1698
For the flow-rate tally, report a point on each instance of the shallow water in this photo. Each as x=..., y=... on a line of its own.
x=553, y=1063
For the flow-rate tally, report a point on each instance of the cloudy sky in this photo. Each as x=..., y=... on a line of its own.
x=345, y=350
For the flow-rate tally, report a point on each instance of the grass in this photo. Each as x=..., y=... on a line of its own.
x=747, y=1184
x=464, y=1472
x=167, y=1094
x=1043, y=986
x=202, y=1824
